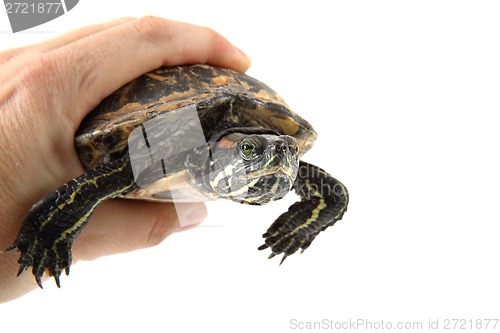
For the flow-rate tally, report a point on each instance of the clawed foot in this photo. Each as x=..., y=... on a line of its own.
x=51, y=259
x=287, y=235
x=47, y=234
x=323, y=201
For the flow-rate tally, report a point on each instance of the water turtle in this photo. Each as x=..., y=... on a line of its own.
x=243, y=144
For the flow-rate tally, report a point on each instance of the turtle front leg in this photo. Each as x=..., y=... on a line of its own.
x=323, y=202
x=46, y=237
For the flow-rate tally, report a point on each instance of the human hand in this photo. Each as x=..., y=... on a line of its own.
x=47, y=89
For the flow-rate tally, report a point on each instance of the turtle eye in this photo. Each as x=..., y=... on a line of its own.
x=248, y=148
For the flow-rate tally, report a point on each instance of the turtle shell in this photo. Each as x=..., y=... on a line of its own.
x=223, y=98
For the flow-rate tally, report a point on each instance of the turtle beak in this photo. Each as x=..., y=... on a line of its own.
x=288, y=171
x=279, y=169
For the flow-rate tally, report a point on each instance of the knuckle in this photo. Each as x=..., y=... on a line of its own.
x=212, y=37
x=211, y=34
x=207, y=42
x=152, y=28
x=127, y=18
x=216, y=45
x=10, y=54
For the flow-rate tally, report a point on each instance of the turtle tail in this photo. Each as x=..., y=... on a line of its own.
x=47, y=234
x=323, y=202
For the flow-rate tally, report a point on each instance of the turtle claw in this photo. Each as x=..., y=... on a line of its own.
x=10, y=248
x=273, y=254
x=262, y=247
x=39, y=281
x=283, y=259
x=21, y=270
x=58, y=283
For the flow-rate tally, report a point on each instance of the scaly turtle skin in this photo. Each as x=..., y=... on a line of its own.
x=249, y=152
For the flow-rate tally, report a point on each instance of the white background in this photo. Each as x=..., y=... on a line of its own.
x=405, y=97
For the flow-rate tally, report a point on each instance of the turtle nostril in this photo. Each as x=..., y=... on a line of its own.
x=281, y=147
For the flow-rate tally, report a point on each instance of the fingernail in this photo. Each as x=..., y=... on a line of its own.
x=245, y=64
x=189, y=214
x=197, y=216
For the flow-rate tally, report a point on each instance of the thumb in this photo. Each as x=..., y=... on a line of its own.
x=120, y=225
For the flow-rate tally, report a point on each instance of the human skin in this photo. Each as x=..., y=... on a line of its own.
x=47, y=89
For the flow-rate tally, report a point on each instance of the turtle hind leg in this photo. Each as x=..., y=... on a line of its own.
x=48, y=232
x=323, y=202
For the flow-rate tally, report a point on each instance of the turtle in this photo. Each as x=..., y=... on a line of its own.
x=180, y=134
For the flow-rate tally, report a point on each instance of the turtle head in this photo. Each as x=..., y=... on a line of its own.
x=253, y=168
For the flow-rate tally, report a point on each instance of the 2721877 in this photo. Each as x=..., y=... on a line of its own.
x=29, y=8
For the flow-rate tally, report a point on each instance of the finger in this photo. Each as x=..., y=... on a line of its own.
x=120, y=226
x=101, y=63
x=78, y=34
x=62, y=40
